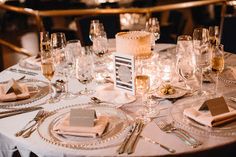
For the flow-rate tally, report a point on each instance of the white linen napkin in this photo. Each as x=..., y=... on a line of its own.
x=63, y=127
x=205, y=117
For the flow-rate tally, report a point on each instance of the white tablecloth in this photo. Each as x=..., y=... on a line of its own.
x=9, y=126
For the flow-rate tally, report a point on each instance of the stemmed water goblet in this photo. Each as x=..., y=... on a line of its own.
x=202, y=53
x=84, y=69
x=153, y=26
x=185, y=61
x=47, y=66
x=58, y=50
x=72, y=51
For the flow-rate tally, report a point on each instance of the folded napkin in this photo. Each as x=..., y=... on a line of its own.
x=110, y=94
x=12, y=96
x=63, y=127
x=205, y=117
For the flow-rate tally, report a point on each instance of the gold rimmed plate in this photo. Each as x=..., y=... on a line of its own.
x=114, y=133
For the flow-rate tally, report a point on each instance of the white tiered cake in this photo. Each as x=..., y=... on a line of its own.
x=137, y=43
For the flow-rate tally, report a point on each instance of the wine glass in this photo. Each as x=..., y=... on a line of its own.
x=58, y=50
x=85, y=70
x=142, y=84
x=202, y=53
x=217, y=63
x=47, y=66
x=72, y=51
x=96, y=29
x=214, y=35
x=185, y=68
x=153, y=26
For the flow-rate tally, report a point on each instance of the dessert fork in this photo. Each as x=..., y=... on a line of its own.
x=180, y=133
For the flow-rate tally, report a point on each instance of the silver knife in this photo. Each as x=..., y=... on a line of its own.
x=122, y=147
x=134, y=137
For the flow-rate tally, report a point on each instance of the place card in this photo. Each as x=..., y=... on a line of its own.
x=216, y=106
x=82, y=117
x=12, y=86
x=124, y=73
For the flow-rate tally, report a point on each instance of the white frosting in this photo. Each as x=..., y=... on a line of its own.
x=137, y=43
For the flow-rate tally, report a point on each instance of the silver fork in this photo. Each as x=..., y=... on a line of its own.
x=38, y=116
x=169, y=129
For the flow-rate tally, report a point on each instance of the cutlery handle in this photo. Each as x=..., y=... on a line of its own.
x=134, y=137
x=183, y=138
x=166, y=148
x=191, y=138
x=121, y=149
x=21, y=132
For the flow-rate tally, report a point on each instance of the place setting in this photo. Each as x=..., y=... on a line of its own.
x=85, y=126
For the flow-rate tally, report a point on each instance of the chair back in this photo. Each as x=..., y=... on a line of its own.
x=228, y=33
x=111, y=24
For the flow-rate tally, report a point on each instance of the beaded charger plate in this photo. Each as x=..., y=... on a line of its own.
x=229, y=74
x=37, y=89
x=180, y=120
x=115, y=132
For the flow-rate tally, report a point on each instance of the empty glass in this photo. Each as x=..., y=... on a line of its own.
x=214, y=34
x=202, y=52
x=96, y=29
x=72, y=51
x=153, y=26
x=185, y=60
x=85, y=70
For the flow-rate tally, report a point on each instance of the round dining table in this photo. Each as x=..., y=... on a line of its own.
x=212, y=144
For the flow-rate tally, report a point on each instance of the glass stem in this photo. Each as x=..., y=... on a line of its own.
x=50, y=91
x=216, y=84
x=201, y=78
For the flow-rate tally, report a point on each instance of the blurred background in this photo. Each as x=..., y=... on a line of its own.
x=22, y=20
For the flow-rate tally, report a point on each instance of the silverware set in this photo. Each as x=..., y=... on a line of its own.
x=180, y=133
x=128, y=145
x=31, y=126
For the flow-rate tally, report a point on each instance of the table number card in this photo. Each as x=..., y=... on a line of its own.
x=216, y=106
x=124, y=73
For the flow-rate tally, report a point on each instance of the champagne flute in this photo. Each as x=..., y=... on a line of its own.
x=47, y=66
x=85, y=70
x=203, y=55
x=217, y=63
